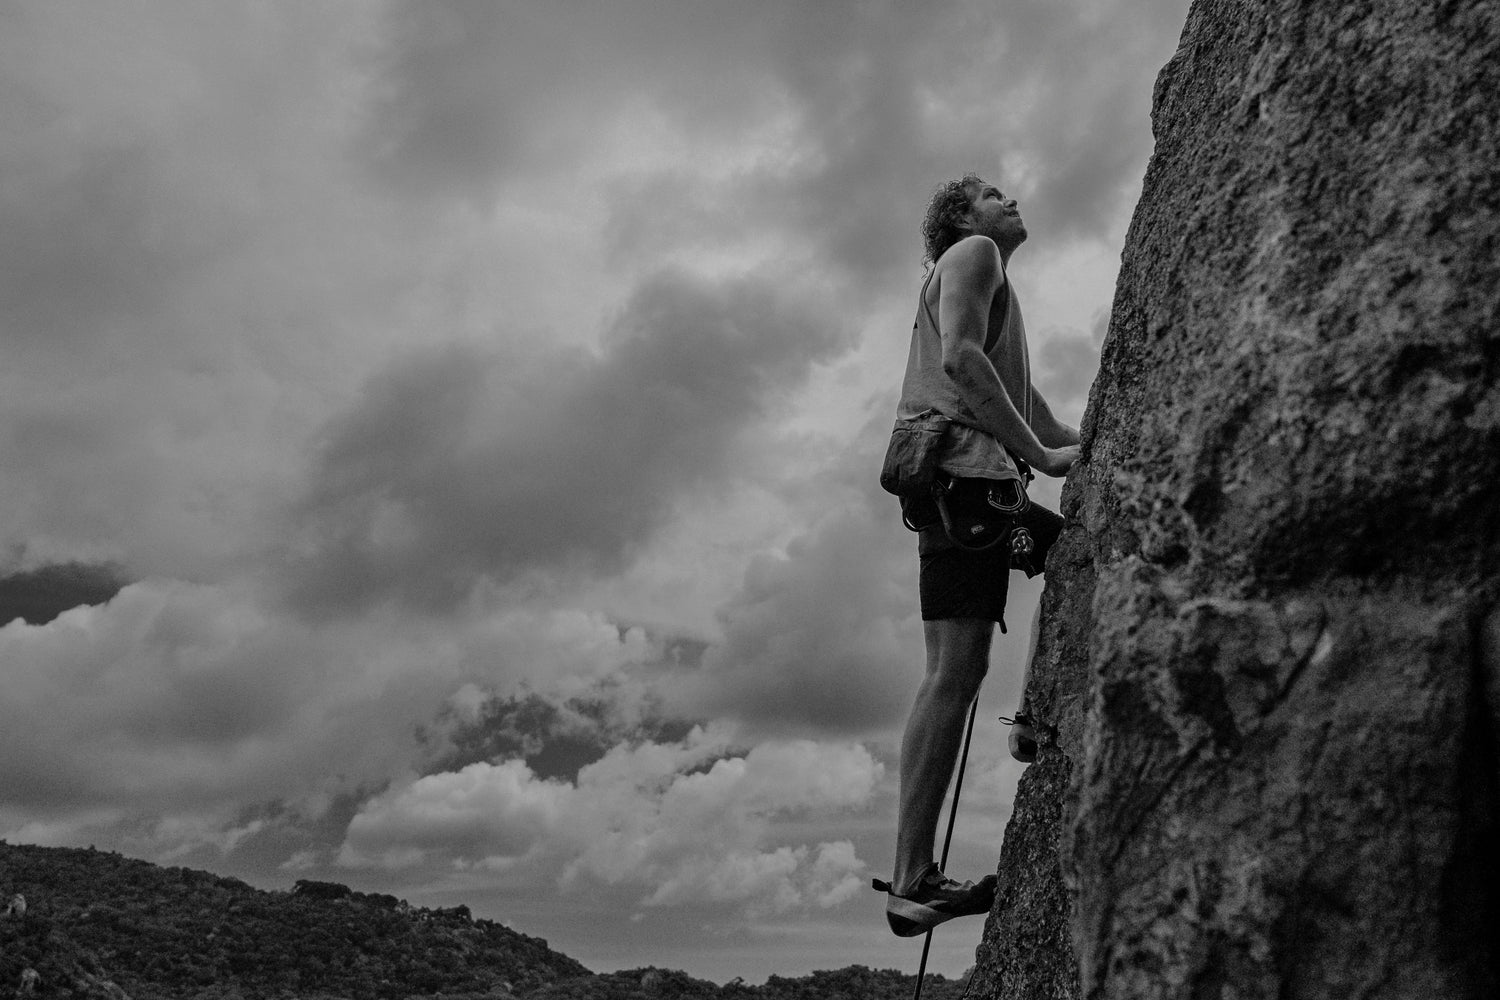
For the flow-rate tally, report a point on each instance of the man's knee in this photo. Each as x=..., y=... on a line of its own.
x=958, y=651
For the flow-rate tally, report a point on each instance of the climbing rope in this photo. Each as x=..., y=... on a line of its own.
x=958, y=786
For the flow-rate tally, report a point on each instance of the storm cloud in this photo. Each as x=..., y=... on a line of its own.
x=464, y=463
x=401, y=369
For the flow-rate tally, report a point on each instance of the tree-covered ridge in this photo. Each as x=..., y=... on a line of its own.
x=98, y=925
x=854, y=982
x=175, y=932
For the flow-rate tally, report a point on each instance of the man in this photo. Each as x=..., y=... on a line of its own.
x=969, y=362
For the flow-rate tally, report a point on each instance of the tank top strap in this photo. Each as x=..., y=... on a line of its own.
x=923, y=307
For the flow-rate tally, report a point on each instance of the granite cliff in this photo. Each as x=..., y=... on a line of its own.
x=1275, y=771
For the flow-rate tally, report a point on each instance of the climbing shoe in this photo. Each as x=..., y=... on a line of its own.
x=936, y=899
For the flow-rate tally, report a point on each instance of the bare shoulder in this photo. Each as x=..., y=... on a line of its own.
x=973, y=263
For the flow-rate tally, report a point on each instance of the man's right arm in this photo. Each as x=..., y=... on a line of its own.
x=972, y=274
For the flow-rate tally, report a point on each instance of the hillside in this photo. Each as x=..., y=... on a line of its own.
x=98, y=925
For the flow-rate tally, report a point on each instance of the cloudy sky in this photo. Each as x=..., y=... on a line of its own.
x=480, y=405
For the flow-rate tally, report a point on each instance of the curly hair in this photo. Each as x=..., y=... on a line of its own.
x=949, y=203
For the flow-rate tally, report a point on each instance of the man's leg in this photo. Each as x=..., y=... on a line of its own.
x=958, y=655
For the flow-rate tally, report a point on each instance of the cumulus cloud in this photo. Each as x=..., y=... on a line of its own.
x=170, y=698
x=684, y=822
x=775, y=881
x=178, y=716
x=488, y=810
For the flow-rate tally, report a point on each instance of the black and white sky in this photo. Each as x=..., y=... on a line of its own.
x=480, y=404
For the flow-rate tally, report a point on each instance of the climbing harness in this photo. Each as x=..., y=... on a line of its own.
x=978, y=514
x=975, y=514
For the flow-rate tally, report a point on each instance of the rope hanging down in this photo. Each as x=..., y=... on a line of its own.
x=958, y=786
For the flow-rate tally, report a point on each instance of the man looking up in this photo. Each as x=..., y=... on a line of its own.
x=969, y=363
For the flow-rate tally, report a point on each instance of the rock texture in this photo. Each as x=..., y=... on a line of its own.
x=1277, y=773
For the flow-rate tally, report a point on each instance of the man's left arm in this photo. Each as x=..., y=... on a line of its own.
x=1053, y=433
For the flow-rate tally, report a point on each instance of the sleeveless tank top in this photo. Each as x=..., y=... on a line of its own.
x=967, y=450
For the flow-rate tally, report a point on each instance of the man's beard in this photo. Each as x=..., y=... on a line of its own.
x=1007, y=238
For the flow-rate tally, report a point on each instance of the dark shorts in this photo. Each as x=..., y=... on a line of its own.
x=960, y=583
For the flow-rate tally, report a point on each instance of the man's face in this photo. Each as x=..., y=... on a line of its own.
x=996, y=216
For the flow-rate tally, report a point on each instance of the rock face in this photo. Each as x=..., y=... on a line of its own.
x=1277, y=772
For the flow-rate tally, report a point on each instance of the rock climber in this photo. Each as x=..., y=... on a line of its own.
x=968, y=362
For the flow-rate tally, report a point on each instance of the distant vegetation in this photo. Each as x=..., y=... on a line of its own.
x=98, y=925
